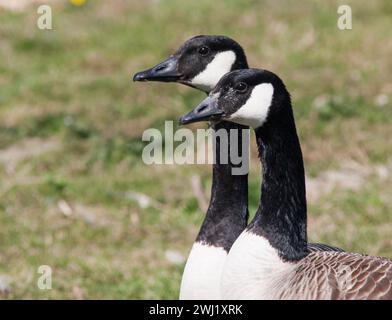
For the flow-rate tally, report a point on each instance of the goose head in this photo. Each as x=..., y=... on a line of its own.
x=249, y=97
x=200, y=62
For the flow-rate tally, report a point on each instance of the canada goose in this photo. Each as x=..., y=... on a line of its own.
x=271, y=258
x=200, y=63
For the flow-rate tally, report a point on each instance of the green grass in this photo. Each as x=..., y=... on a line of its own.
x=70, y=90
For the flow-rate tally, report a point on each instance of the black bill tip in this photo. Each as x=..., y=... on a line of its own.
x=185, y=119
x=207, y=110
x=166, y=71
x=140, y=76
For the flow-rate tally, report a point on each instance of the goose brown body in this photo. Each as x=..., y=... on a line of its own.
x=342, y=276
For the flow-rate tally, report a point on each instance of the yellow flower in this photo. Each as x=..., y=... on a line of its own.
x=78, y=2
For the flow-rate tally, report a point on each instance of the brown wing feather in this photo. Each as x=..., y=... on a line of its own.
x=340, y=275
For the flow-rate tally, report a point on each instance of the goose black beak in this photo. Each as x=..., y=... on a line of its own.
x=205, y=111
x=166, y=71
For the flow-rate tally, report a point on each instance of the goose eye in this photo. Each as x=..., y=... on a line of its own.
x=204, y=50
x=241, y=87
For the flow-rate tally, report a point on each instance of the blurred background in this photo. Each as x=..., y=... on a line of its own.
x=74, y=193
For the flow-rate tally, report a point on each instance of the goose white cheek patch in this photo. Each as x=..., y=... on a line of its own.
x=255, y=111
x=219, y=66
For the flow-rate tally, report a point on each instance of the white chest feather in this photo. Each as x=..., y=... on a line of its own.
x=255, y=111
x=202, y=273
x=254, y=270
x=219, y=66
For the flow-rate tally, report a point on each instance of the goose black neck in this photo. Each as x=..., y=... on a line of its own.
x=281, y=216
x=227, y=214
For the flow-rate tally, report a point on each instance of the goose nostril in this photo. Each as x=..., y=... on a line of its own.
x=201, y=109
x=161, y=67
